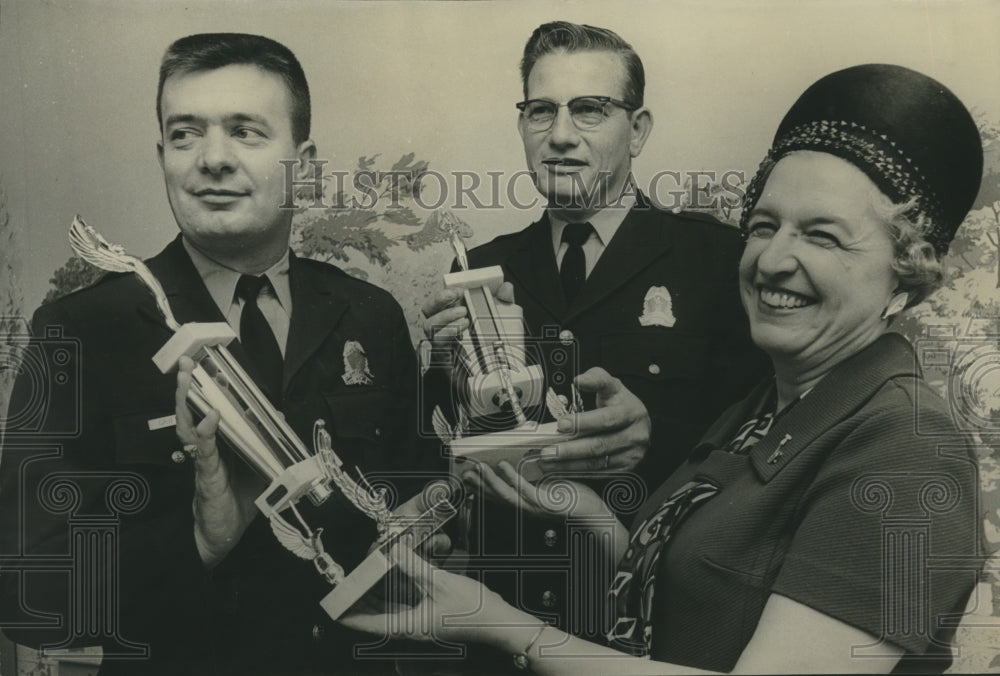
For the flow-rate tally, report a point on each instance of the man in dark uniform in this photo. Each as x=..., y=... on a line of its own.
x=190, y=581
x=648, y=295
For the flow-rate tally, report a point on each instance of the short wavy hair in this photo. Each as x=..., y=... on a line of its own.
x=571, y=37
x=916, y=262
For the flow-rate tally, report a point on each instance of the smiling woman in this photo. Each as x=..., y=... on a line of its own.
x=817, y=270
x=780, y=545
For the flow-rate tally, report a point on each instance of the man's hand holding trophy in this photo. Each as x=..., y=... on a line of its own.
x=217, y=388
x=484, y=344
x=476, y=335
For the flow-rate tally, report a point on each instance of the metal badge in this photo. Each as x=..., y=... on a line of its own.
x=356, y=365
x=657, y=308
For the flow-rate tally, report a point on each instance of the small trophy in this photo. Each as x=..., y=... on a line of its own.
x=499, y=380
x=259, y=434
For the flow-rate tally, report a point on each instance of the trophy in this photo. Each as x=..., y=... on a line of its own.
x=258, y=433
x=498, y=378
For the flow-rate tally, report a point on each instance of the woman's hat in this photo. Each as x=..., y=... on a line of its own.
x=910, y=135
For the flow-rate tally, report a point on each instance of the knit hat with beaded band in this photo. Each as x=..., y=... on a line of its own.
x=910, y=135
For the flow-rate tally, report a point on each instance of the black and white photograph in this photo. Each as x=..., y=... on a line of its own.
x=458, y=337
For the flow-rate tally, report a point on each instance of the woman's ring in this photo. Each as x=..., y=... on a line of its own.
x=191, y=449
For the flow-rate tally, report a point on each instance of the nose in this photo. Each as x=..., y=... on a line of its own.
x=216, y=154
x=778, y=255
x=563, y=132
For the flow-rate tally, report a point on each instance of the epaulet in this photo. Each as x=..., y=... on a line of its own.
x=704, y=217
x=323, y=266
x=331, y=269
x=715, y=229
x=106, y=278
x=499, y=239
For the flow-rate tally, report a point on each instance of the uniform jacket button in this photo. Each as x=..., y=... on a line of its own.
x=548, y=599
x=318, y=631
x=178, y=456
x=654, y=369
x=551, y=537
x=566, y=337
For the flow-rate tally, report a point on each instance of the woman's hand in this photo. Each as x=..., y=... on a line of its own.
x=452, y=608
x=222, y=507
x=457, y=609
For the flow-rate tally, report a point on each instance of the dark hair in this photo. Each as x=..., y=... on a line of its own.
x=209, y=51
x=571, y=37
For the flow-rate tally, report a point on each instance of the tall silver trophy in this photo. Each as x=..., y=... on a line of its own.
x=258, y=433
x=498, y=379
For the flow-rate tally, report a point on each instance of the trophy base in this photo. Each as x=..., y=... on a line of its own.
x=520, y=447
x=356, y=584
x=380, y=561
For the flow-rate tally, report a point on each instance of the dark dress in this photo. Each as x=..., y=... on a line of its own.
x=859, y=489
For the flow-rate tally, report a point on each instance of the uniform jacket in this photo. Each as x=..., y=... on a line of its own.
x=860, y=502
x=258, y=610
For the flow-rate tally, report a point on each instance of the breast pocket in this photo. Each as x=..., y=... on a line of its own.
x=358, y=422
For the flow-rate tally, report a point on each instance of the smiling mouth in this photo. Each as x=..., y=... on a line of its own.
x=782, y=299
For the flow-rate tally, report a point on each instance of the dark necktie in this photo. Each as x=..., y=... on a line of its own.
x=574, y=263
x=257, y=337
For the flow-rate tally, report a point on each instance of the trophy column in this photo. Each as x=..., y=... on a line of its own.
x=497, y=379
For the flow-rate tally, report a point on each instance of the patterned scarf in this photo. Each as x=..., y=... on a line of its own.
x=633, y=586
x=632, y=589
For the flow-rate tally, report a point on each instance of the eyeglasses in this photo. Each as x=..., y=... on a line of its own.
x=586, y=112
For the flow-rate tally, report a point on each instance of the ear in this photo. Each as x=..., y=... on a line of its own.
x=306, y=151
x=642, y=125
x=520, y=126
x=159, y=153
